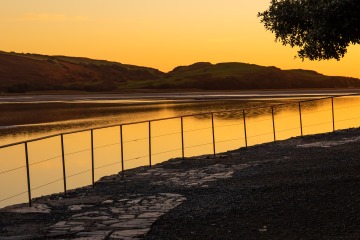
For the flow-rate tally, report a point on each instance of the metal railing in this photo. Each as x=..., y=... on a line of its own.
x=243, y=113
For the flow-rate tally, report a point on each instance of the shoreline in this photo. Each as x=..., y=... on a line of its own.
x=116, y=98
x=303, y=187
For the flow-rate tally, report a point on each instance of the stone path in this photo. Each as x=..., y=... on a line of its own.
x=94, y=217
x=195, y=177
x=128, y=218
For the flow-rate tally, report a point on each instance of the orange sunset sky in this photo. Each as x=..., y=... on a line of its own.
x=156, y=33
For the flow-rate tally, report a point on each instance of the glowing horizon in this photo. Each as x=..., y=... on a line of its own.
x=161, y=34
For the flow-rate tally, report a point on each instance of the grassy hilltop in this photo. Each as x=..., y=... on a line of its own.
x=236, y=76
x=33, y=72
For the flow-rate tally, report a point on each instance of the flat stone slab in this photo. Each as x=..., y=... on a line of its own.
x=129, y=234
x=78, y=207
x=196, y=177
x=118, y=219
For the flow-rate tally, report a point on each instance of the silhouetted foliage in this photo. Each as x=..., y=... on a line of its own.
x=322, y=29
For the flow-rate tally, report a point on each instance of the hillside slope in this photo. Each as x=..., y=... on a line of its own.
x=33, y=72
x=225, y=76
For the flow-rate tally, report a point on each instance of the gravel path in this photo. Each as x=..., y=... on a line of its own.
x=301, y=188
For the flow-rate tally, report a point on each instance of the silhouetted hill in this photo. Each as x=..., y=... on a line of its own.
x=33, y=72
x=234, y=76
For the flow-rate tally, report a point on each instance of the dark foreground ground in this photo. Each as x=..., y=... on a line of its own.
x=302, y=188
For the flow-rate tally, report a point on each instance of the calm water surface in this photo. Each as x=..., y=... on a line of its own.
x=166, y=142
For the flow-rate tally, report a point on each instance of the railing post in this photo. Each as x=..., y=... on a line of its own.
x=28, y=173
x=246, y=143
x=63, y=161
x=182, y=138
x=150, y=144
x=301, y=126
x=273, y=122
x=122, y=151
x=92, y=158
x=333, y=113
x=213, y=132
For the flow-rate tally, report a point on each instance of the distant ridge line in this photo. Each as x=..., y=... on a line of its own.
x=20, y=73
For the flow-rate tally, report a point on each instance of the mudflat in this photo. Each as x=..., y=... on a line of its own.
x=156, y=95
x=45, y=108
x=301, y=188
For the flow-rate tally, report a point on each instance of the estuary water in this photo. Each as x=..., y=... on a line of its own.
x=34, y=117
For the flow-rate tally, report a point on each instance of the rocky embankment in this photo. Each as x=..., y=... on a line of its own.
x=304, y=187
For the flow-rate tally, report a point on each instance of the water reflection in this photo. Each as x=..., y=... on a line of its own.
x=45, y=157
x=39, y=120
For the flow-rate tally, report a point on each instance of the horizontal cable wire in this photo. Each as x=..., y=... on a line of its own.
x=351, y=106
x=108, y=165
x=288, y=129
x=198, y=129
x=318, y=124
x=45, y=160
x=4, y=199
x=229, y=140
x=304, y=112
x=36, y=188
x=109, y=145
x=47, y=184
x=77, y=174
x=11, y=170
x=165, y=135
x=80, y=151
x=136, y=140
x=348, y=119
x=52, y=158
x=173, y=150
x=263, y=134
x=136, y=158
x=200, y=145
